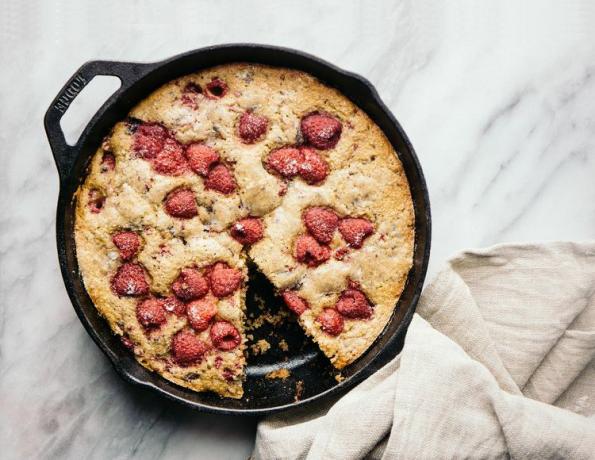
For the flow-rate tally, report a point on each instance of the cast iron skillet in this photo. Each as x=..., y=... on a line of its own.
x=312, y=377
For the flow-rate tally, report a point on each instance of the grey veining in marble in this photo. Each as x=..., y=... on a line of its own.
x=497, y=97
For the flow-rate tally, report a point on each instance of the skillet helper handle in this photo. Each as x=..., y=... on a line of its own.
x=64, y=153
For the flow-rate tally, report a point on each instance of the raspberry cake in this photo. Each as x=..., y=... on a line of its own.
x=233, y=163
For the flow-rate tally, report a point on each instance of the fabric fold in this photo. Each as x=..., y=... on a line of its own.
x=501, y=347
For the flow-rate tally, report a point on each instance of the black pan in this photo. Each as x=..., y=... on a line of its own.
x=312, y=377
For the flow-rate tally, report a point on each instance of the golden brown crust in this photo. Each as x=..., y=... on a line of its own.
x=366, y=180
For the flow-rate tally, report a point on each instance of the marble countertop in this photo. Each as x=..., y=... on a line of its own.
x=497, y=99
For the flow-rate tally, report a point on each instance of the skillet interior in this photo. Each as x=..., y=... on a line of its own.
x=307, y=364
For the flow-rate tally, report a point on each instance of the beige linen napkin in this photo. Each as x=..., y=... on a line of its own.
x=499, y=362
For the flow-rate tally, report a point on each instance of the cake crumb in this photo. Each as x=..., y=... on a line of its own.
x=282, y=373
x=283, y=345
x=259, y=301
x=260, y=347
x=339, y=378
x=273, y=319
x=299, y=390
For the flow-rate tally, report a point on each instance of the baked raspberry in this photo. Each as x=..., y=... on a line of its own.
x=150, y=313
x=352, y=284
x=221, y=180
x=248, y=230
x=228, y=374
x=321, y=223
x=187, y=348
x=218, y=362
x=330, y=321
x=314, y=168
x=294, y=302
x=127, y=342
x=127, y=243
x=96, y=201
x=106, y=144
x=174, y=305
x=321, y=131
x=170, y=159
x=149, y=139
x=190, y=93
x=224, y=279
x=192, y=88
x=285, y=161
x=354, y=304
x=224, y=335
x=108, y=162
x=201, y=158
x=341, y=252
x=200, y=313
x=130, y=280
x=355, y=230
x=190, y=285
x=216, y=89
x=252, y=127
x=181, y=203
x=310, y=252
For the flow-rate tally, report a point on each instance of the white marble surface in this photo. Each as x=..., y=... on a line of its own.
x=498, y=100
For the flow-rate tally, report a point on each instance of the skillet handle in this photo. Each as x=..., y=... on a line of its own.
x=64, y=153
